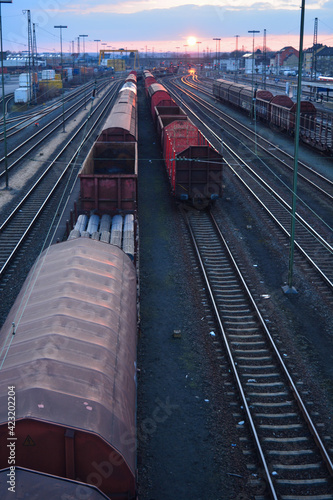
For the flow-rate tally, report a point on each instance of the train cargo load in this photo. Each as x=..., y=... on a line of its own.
x=71, y=336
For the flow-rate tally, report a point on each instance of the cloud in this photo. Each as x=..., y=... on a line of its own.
x=87, y=7
x=146, y=21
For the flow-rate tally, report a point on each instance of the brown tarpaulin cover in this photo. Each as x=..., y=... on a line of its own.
x=72, y=358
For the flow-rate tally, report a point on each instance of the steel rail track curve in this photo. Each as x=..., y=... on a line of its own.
x=318, y=244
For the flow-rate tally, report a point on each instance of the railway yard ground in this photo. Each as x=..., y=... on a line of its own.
x=193, y=438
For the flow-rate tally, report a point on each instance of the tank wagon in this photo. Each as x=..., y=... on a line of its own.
x=193, y=165
x=108, y=178
x=69, y=349
x=280, y=112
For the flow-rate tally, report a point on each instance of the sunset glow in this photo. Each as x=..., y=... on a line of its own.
x=191, y=40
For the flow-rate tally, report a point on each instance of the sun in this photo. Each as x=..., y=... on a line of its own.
x=191, y=40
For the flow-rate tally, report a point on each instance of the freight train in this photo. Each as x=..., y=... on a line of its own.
x=68, y=346
x=193, y=165
x=279, y=111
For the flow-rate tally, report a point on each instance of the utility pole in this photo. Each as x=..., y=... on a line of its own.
x=62, y=77
x=3, y=100
x=217, y=40
x=314, y=51
x=34, y=59
x=29, y=51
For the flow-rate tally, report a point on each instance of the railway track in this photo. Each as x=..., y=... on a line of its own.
x=36, y=139
x=295, y=462
x=20, y=222
x=16, y=124
x=313, y=244
x=307, y=174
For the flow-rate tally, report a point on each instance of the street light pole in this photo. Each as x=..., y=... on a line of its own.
x=97, y=48
x=3, y=98
x=62, y=77
x=236, y=69
x=84, y=69
x=253, y=32
x=198, y=54
x=289, y=288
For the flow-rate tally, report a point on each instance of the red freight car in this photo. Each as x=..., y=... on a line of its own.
x=158, y=96
x=307, y=115
x=280, y=107
x=166, y=115
x=194, y=167
x=221, y=89
x=263, y=98
x=149, y=79
x=72, y=362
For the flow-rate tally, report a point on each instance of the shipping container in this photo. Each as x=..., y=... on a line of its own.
x=45, y=85
x=22, y=95
x=25, y=79
x=48, y=74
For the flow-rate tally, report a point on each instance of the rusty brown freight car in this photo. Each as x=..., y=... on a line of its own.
x=72, y=362
x=108, y=178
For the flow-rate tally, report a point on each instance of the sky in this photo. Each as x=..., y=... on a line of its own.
x=165, y=25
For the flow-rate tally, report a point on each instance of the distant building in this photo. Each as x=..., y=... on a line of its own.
x=325, y=61
x=308, y=58
x=284, y=59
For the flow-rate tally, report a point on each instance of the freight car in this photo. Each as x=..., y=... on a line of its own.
x=148, y=79
x=280, y=112
x=68, y=346
x=38, y=486
x=158, y=96
x=108, y=178
x=193, y=166
x=68, y=357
